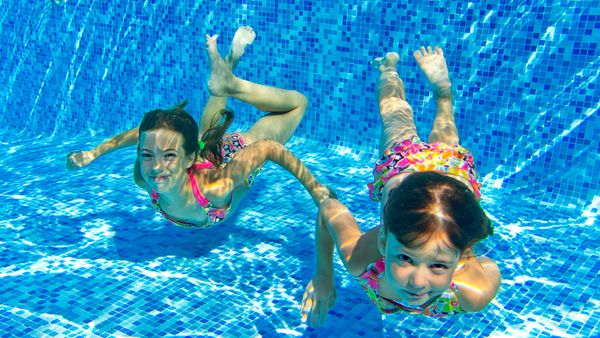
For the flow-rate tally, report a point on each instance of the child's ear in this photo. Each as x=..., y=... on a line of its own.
x=190, y=161
x=381, y=241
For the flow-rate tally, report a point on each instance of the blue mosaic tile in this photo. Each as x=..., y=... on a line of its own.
x=78, y=260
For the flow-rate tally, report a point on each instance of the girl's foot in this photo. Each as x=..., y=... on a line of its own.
x=433, y=64
x=243, y=36
x=221, y=77
x=386, y=63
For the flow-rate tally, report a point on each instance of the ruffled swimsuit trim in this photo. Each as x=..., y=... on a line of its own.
x=444, y=305
x=413, y=155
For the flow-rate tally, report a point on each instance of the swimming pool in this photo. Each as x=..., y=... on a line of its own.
x=84, y=254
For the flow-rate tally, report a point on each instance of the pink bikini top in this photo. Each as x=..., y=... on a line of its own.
x=215, y=215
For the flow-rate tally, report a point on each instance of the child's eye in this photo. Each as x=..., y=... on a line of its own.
x=440, y=267
x=403, y=258
x=170, y=156
x=146, y=156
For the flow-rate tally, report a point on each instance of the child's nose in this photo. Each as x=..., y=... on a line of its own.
x=418, y=278
x=157, y=164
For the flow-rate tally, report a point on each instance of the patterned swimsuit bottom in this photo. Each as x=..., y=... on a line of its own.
x=413, y=155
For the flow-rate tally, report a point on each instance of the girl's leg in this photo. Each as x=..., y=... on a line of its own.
x=285, y=107
x=396, y=113
x=243, y=36
x=433, y=64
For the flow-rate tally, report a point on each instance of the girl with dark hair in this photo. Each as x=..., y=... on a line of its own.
x=420, y=260
x=196, y=182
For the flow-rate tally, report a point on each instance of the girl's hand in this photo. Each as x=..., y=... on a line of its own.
x=79, y=159
x=318, y=298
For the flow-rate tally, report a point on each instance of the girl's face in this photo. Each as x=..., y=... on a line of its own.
x=419, y=274
x=163, y=163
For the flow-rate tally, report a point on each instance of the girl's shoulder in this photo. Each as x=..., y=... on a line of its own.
x=478, y=280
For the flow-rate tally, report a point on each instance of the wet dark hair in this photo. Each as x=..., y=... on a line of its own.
x=213, y=137
x=427, y=203
x=179, y=120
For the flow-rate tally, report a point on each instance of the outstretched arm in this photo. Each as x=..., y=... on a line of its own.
x=253, y=157
x=335, y=227
x=79, y=159
x=355, y=248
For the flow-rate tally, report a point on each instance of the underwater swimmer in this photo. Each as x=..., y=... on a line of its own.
x=198, y=182
x=420, y=260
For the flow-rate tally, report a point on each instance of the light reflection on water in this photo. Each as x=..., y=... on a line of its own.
x=84, y=252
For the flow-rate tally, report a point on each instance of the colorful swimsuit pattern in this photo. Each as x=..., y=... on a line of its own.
x=413, y=155
x=444, y=305
x=232, y=143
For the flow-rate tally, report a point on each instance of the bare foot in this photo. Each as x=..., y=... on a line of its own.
x=220, y=73
x=79, y=159
x=433, y=64
x=243, y=36
x=386, y=63
x=389, y=83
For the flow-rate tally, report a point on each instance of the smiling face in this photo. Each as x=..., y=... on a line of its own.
x=415, y=275
x=163, y=162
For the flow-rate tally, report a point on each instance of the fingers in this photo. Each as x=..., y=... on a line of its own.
x=314, y=307
x=322, y=314
x=306, y=309
x=307, y=302
x=315, y=314
x=73, y=163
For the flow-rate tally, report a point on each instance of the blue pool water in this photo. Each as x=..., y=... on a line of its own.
x=84, y=254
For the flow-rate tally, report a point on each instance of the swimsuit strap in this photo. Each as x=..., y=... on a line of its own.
x=203, y=201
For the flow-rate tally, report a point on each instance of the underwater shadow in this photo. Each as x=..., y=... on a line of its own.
x=140, y=237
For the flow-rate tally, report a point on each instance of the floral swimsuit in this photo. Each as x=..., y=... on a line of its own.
x=444, y=305
x=413, y=155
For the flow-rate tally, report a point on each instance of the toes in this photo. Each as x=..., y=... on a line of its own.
x=211, y=40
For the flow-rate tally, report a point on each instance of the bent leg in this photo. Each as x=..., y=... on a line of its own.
x=285, y=107
x=396, y=113
x=433, y=64
x=243, y=36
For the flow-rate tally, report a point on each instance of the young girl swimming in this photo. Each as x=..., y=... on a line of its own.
x=420, y=260
x=197, y=183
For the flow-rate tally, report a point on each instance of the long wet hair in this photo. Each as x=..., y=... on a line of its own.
x=177, y=119
x=212, y=138
x=427, y=203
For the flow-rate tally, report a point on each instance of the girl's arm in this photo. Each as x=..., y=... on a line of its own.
x=356, y=249
x=335, y=227
x=254, y=156
x=478, y=281
x=79, y=159
x=319, y=294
